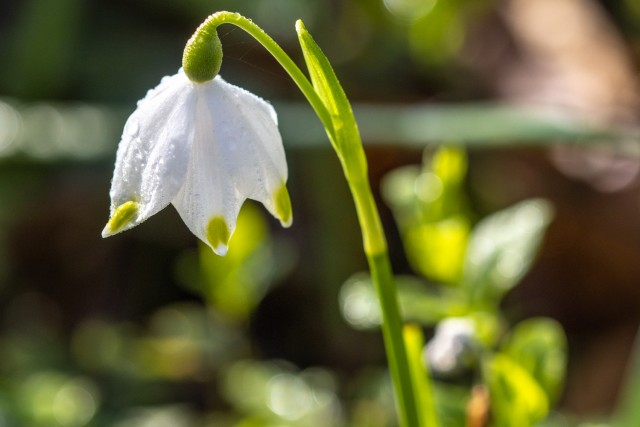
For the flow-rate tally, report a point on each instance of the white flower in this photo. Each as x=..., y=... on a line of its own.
x=206, y=148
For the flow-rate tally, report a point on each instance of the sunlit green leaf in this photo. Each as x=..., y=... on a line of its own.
x=429, y=206
x=414, y=343
x=437, y=249
x=330, y=91
x=516, y=398
x=489, y=327
x=450, y=164
x=539, y=345
x=502, y=249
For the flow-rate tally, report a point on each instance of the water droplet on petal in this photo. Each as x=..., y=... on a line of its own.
x=133, y=128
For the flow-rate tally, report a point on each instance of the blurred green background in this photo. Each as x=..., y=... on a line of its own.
x=149, y=328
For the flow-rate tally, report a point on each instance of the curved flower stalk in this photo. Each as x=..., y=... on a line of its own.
x=205, y=147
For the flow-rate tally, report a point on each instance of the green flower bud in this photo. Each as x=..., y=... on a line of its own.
x=202, y=56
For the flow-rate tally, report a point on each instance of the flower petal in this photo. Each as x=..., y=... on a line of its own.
x=208, y=202
x=153, y=153
x=246, y=129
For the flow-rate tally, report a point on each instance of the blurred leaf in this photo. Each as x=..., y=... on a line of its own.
x=502, y=249
x=489, y=327
x=450, y=164
x=430, y=208
x=419, y=302
x=437, y=249
x=516, y=398
x=56, y=131
x=422, y=390
x=478, y=124
x=436, y=38
x=451, y=402
x=539, y=345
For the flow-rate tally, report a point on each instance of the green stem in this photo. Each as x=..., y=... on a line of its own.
x=212, y=22
x=375, y=247
x=351, y=154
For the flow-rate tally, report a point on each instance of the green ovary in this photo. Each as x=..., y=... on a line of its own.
x=123, y=216
x=283, y=206
x=218, y=232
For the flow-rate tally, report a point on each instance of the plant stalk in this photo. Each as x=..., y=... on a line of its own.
x=354, y=165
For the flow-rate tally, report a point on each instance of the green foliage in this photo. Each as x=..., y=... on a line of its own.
x=430, y=207
x=468, y=270
x=517, y=399
x=414, y=341
x=539, y=345
x=329, y=90
x=502, y=249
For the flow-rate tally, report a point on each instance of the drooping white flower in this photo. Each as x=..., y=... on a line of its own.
x=205, y=148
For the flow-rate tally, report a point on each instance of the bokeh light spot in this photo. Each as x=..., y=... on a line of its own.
x=289, y=397
x=10, y=128
x=428, y=187
x=409, y=9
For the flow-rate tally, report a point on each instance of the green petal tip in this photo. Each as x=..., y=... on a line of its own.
x=121, y=219
x=282, y=204
x=218, y=235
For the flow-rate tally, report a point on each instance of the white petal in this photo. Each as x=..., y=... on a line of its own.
x=153, y=153
x=208, y=193
x=237, y=154
x=246, y=129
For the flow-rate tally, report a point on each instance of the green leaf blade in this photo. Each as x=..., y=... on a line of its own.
x=414, y=342
x=502, y=249
x=539, y=345
x=326, y=84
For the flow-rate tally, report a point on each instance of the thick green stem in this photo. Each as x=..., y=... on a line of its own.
x=382, y=277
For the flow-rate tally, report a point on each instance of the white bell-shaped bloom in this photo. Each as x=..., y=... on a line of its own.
x=206, y=148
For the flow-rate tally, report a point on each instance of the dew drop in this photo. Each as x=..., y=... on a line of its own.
x=133, y=128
